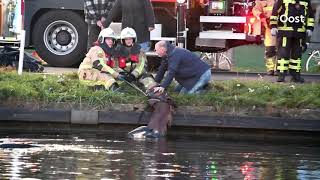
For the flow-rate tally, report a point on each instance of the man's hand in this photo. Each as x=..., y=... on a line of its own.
x=274, y=31
x=151, y=28
x=309, y=33
x=158, y=89
x=99, y=24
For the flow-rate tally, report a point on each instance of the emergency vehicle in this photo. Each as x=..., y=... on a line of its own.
x=58, y=32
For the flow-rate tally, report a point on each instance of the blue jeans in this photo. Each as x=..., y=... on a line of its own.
x=204, y=79
x=145, y=46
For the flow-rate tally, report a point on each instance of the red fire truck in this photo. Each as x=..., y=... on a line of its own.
x=58, y=32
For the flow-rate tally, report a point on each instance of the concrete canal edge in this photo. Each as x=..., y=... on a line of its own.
x=189, y=117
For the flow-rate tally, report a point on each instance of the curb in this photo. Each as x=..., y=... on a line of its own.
x=113, y=117
x=84, y=117
x=20, y=114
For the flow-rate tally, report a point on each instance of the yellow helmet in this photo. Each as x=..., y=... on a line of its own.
x=128, y=33
x=106, y=33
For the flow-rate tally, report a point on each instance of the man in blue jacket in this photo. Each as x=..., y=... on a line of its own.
x=185, y=67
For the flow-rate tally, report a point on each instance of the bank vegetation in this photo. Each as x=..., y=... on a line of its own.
x=50, y=89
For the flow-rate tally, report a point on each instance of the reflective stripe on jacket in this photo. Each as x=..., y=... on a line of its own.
x=292, y=17
x=96, y=53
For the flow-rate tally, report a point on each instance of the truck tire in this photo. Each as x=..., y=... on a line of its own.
x=60, y=37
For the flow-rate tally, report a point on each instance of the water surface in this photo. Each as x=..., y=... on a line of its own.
x=113, y=156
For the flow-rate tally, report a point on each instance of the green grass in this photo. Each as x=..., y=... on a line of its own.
x=258, y=94
x=56, y=89
x=250, y=58
x=222, y=95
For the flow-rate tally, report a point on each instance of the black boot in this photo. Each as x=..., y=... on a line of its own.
x=97, y=88
x=296, y=77
x=114, y=87
x=281, y=77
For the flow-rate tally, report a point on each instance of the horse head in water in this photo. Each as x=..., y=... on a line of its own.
x=161, y=107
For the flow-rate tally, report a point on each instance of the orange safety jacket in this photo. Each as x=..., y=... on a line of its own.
x=263, y=8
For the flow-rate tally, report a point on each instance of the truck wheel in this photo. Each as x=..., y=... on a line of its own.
x=60, y=37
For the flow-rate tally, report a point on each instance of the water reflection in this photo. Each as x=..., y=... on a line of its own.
x=112, y=156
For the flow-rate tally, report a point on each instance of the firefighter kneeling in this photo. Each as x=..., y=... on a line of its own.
x=291, y=21
x=96, y=70
x=132, y=61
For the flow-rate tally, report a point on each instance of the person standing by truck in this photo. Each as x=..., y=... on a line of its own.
x=291, y=22
x=136, y=14
x=95, y=12
x=262, y=11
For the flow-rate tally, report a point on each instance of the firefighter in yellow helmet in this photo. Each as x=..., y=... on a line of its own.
x=262, y=11
x=96, y=69
x=291, y=22
x=132, y=60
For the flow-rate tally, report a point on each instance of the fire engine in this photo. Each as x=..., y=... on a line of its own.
x=56, y=29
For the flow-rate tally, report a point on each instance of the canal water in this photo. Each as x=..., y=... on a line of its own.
x=110, y=155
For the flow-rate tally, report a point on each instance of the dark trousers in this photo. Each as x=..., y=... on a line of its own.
x=93, y=33
x=270, y=51
x=289, y=54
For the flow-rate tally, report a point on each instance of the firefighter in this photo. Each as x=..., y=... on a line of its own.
x=96, y=70
x=291, y=22
x=132, y=60
x=262, y=11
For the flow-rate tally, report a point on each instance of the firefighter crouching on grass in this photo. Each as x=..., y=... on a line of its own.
x=132, y=60
x=96, y=70
x=291, y=21
x=262, y=11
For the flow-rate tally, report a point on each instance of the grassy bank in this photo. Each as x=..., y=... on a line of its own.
x=224, y=94
x=250, y=58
